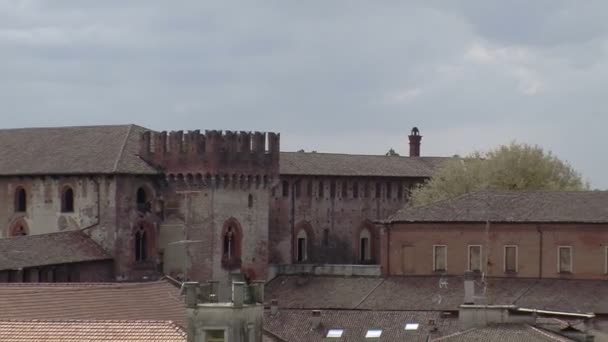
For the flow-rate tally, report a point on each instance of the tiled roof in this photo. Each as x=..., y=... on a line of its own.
x=330, y=164
x=90, y=330
x=72, y=150
x=504, y=333
x=49, y=249
x=295, y=325
x=158, y=300
x=434, y=293
x=513, y=206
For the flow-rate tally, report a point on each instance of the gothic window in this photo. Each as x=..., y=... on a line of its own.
x=142, y=200
x=285, y=188
x=325, y=237
x=344, y=189
x=309, y=188
x=140, y=244
x=231, y=245
x=301, y=246
x=250, y=201
x=389, y=191
x=400, y=191
x=67, y=200
x=355, y=189
x=366, y=189
x=321, y=189
x=332, y=189
x=20, y=200
x=296, y=189
x=364, y=245
x=378, y=190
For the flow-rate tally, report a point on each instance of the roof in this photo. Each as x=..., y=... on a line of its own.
x=49, y=249
x=72, y=150
x=330, y=164
x=296, y=325
x=157, y=300
x=513, y=206
x=435, y=293
x=504, y=333
x=89, y=330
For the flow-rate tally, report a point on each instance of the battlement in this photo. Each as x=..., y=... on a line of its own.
x=212, y=153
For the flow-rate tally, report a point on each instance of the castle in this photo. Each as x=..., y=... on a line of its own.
x=126, y=203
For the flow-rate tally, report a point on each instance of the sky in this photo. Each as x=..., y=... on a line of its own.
x=331, y=76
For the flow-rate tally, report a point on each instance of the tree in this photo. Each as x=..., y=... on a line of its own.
x=508, y=167
x=391, y=153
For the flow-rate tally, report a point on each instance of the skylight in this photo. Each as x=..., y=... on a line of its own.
x=411, y=326
x=373, y=333
x=335, y=333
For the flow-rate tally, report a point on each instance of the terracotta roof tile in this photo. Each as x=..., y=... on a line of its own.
x=72, y=150
x=90, y=330
x=513, y=206
x=330, y=164
x=49, y=249
x=158, y=300
x=504, y=333
x=296, y=325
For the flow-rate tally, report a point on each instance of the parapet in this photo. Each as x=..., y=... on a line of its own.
x=213, y=153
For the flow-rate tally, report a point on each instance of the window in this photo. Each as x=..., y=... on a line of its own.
x=373, y=333
x=19, y=230
x=250, y=201
x=474, y=258
x=366, y=190
x=229, y=248
x=511, y=259
x=140, y=244
x=20, y=200
x=378, y=190
x=355, y=190
x=142, y=200
x=301, y=254
x=344, y=189
x=332, y=189
x=364, y=245
x=334, y=333
x=285, y=186
x=296, y=189
x=309, y=188
x=411, y=326
x=389, y=191
x=215, y=335
x=400, y=191
x=440, y=258
x=325, y=237
x=321, y=189
x=564, y=259
x=231, y=244
x=67, y=200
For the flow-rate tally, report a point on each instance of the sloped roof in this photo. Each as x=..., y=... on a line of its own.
x=157, y=300
x=513, y=206
x=397, y=293
x=331, y=164
x=89, y=330
x=49, y=249
x=72, y=150
x=504, y=333
x=295, y=325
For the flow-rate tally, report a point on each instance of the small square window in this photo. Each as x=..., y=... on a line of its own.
x=411, y=326
x=373, y=333
x=335, y=333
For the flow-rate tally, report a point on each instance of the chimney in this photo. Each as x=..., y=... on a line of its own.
x=238, y=293
x=274, y=307
x=469, y=287
x=415, y=139
x=190, y=289
x=316, y=319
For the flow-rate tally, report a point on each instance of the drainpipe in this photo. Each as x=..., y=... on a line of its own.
x=540, y=252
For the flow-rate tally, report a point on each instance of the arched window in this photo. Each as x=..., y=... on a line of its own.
x=140, y=244
x=231, y=244
x=285, y=188
x=250, y=201
x=143, y=203
x=20, y=200
x=301, y=246
x=67, y=200
x=365, y=246
x=19, y=231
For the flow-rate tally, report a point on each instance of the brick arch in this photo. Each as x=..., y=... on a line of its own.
x=231, y=244
x=143, y=241
x=366, y=229
x=18, y=228
x=303, y=227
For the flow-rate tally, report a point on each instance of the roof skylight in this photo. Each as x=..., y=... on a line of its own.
x=411, y=326
x=334, y=333
x=373, y=333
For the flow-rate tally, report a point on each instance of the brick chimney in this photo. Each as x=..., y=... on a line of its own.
x=415, y=139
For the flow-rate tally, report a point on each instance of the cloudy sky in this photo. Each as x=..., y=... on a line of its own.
x=333, y=76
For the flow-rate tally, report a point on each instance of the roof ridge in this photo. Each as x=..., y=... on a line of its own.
x=122, y=148
x=362, y=155
x=60, y=127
